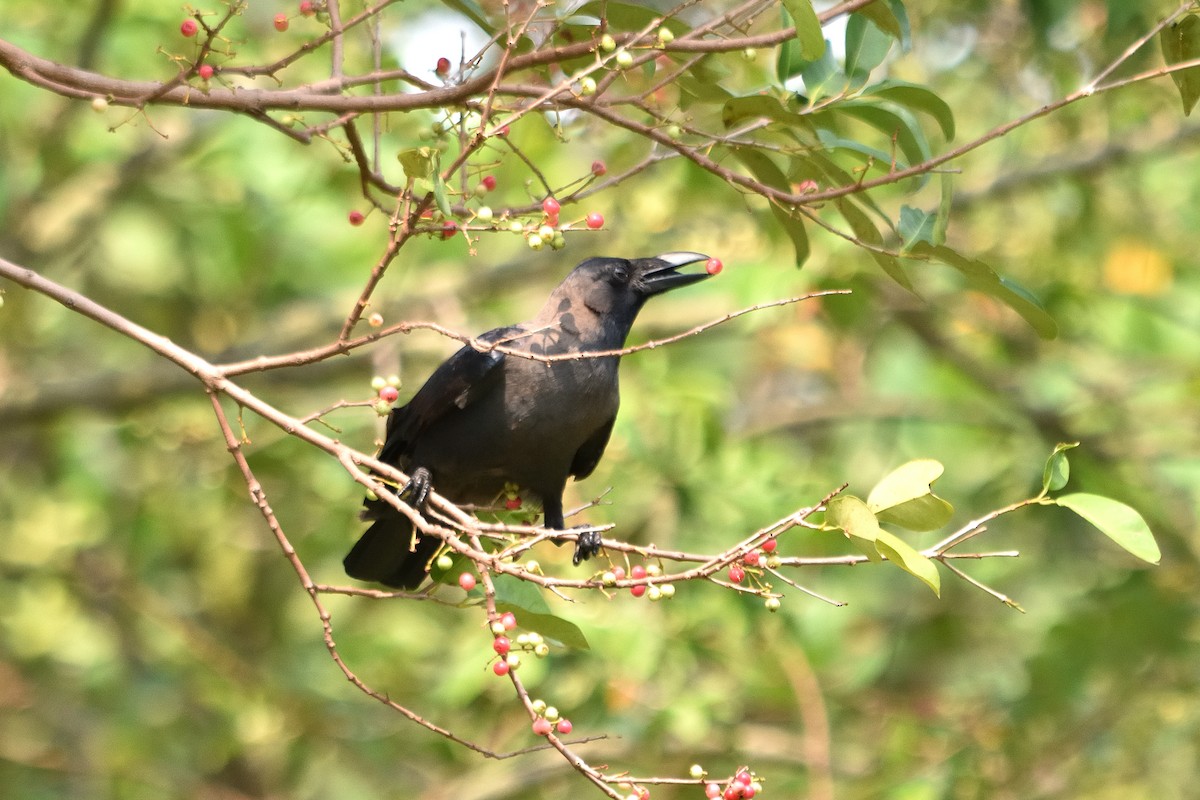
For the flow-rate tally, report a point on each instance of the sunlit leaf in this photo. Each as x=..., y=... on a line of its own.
x=808, y=29
x=1117, y=521
x=417, y=162
x=766, y=171
x=904, y=497
x=851, y=515
x=1057, y=471
x=904, y=556
x=525, y=600
x=1181, y=42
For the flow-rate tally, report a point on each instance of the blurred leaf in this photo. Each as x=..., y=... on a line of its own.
x=881, y=13
x=983, y=278
x=739, y=109
x=865, y=230
x=1057, y=470
x=850, y=514
x=1117, y=521
x=915, y=226
x=417, y=162
x=631, y=16
x=942, y=221
x=909, y=560
x=823, y=77
x=866, y=47
x=916, y=98
x=1181, y=42
x=439, y=196
x=471, y=10
x=525, y=600
x=808, y=29
x=765, y=171
x=904, y=497
x=900, y=127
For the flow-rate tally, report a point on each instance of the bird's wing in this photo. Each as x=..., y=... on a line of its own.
x=588, y=455
x=460, y=380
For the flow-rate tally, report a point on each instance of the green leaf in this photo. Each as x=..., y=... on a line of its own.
x=851, y=515
x=808, y=29
x=983, y=278
x=525, y=600
x=880, y=12
x=767, y=172
x=916, y=98
x=756, y=106
x=1181, y=42
x=915, y=226
x=1057, y=471
x=1117, y=521
x=439, y=196
x=417, y=162
x=909, y=560
x=942, y=221
x=904, y=497
x=899, y=126
x=866, y=47
x=823, y=77
x=471, y=10
x=865, y=230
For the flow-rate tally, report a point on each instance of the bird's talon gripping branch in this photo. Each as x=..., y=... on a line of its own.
x=416, y=491
x=587, y=545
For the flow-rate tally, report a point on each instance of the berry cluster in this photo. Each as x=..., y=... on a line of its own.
x=652, y=591
x=750, y=566
x=548, y=719
x=387, y=388
x=743, y=784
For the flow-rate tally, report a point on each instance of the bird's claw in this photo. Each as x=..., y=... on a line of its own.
x=587, y=544
x=416, y=491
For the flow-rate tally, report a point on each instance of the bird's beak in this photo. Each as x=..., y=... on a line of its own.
x=663, y=277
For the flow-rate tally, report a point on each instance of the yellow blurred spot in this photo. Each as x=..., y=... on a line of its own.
x=1135, y=268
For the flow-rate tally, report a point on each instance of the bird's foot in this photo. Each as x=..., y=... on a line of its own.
x=416, y=491
x=587, y=544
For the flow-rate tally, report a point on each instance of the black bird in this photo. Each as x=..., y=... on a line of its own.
x=486, y=419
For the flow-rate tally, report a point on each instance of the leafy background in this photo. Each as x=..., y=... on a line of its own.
x=153, y=643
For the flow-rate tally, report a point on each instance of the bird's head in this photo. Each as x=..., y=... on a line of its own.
x=614, y=289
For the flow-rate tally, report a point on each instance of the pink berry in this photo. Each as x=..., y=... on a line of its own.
x=501, y=644
x=595, y=220
x=752, y=558
x=744, y=777
x=281, y=22
x=356, y=218
x=769, y=545
x=449, y=228
x=564, y=726
x=637, y=571
x=736, y=574
x=599, y=168
x=712, y=791
x=466, y=581
x=551, y=207
x=509, y=620
x=188, y=27
x=713, y=266
x=500, y=668
x=489, y=182
x=541, y=726
x=503, y=131
x=205, y=71
x=638, y=591
x=512, y=503
x=619, y=573
x=443, y=66
x=388, y=394
x=748, y=792
x=734, y=790
x=307, y=8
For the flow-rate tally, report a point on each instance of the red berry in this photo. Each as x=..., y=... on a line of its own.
x=637, y=571
x=205, y=71
x=188, y=27
x=489, y=182
x=748, y=792
x=643, y=793
x=713, y=266
x=356, y=218
x=466, y=581
x=769, y=545
x=512, y=503
x=306, y=8
x=619, y=573
x=443, y=66
x=736, y=574
x=500, y=668
x=599, y=168
x=551, y=207
x=734, y=790
x=388, y=394
x=638, y=591
x=595, y=220
x=509, y=620
x=744, y=776
x=541, y=726
x=501, y=645
x=752, y=558
x=565, y=726
x=712, y=791
x=281, y=22
x=449, y=228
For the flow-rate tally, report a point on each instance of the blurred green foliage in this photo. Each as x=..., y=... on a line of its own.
x=153, y=643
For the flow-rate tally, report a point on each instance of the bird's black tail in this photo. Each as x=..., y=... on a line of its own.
x=383, y=554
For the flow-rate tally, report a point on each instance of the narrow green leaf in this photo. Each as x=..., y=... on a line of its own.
x=1117, y=521
x=865, y=230
x=439, y=196
x=866, y=47
x=884, y=18
x=899, y=126
x=902, y=555
x=525, y=600
x=1057, y=471
x=904, y=497
x=1181, y=42
x=767, y=172
x=788, y=62
x=983, y=278
x=756, y=106
x=942, y=221
x=808, y=28
x=916, y=98
x=851, y=515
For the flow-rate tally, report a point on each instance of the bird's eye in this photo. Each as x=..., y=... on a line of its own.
x=621, y=274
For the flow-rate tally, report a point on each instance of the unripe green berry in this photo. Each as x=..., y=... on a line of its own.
x=535, y=242
x=749, y=54
x=100, y=104
x=551, y=714
x=546, y=232
x=444, y=562
x=484, y=214
x=542, y=650
x=665, y=36
x=558, y=241
x=608, y=579
x=533, y=566
x=378, y=382
x=773, y=562
x=697, y=771
x=772, y=604
x=587, y=85
x=535, y=638
x=608, y=43
x=668, y=590
x=516, y=227
x=513, y=660
x=624, y=59
x=654, y=570
x=382, y=407
x=654, y=592
x=538, y=706
x=497, y=628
